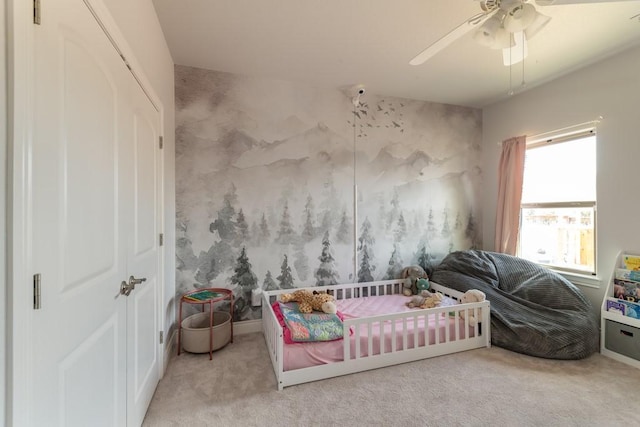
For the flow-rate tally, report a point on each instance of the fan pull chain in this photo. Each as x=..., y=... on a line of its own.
x=510, y=74
x=523, y=82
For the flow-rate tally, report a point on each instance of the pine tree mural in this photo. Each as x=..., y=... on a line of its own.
x=220, y=255
x=253, y=234
x=185, y=258
x=364, y=272
x=458, y=223
x=217, y=259
x=382, y=214
x=365, y=252
x=446, y=230
x=264, y=235
x=415, y=224
x=286, y=233
x=269, y=284
x=431, y=226
x=395, y=209
x=246, y=281
x=242, y=232
x=424, y=259
x=301, y=262
x=232, y=195
x=243, y=276
x=225, y=224
x=366, y=237
x=330, y=206
x=285, y=279
x=344, y=229
x=395, y=265
x=401, y=229
x=309, y=229
x=326, y=221
x=326, y=274
x=471, y=232
x=207, y=267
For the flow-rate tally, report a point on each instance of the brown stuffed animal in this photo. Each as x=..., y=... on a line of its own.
x=411, y=275
x=426, y=299
x=309, y=301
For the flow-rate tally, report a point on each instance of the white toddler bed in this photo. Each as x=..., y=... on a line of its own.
x=379, y=330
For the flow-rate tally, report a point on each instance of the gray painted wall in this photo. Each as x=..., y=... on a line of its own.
x=3, y=205
x=610, y=89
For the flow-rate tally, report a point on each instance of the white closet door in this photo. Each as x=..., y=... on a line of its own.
x=94, y=203
x=143, y=259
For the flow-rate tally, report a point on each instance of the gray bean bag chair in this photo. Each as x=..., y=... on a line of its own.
x=534, y=310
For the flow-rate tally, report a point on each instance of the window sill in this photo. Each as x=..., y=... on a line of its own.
x=582, y=279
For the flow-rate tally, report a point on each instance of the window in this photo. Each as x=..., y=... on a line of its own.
x=558, y=208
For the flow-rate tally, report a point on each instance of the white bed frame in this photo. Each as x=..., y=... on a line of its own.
x=273, y=333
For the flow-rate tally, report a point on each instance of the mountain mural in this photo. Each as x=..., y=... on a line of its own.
x=269, y=187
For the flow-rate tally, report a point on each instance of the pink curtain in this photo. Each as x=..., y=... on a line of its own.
x=510, y=177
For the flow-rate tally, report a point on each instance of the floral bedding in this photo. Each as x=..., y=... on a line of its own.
x=307, y=327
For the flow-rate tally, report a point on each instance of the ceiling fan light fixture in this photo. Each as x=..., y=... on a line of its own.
x=538, y=23
x=503, y=39
x=520, y=17
x=488, y=32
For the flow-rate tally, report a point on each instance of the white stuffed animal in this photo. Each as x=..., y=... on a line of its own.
x=472, y=295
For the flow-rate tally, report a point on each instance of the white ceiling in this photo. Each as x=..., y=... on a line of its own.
x=341, y=43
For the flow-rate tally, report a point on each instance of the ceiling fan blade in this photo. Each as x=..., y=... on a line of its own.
x=561, y=2
x=452, y=36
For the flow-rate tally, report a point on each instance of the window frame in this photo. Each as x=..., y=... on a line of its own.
x=545, y=142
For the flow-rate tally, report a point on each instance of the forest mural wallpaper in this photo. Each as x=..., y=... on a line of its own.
x=265, y=176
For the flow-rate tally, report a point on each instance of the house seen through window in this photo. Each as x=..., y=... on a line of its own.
x=558, y=208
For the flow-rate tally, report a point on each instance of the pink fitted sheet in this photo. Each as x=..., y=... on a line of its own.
x=303, y=355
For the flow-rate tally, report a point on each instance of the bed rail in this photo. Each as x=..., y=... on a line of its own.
x=362, y=352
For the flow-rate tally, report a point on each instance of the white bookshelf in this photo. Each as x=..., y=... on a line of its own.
x=616, y=317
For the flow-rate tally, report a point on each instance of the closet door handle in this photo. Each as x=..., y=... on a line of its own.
x=126, y=288
x=133, y=281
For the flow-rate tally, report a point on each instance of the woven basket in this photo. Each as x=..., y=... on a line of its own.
x=195, y=331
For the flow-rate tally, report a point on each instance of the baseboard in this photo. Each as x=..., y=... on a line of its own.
x=247, y=327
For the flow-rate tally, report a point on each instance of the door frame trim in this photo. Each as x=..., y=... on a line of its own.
x=20, y=102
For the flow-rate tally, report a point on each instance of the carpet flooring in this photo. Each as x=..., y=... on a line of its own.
x=484, y=387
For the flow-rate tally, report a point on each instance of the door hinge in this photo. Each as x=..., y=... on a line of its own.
x=161, y=142
x=36, y=291
x=161, y=337
x=161, y=239
x=36, y=12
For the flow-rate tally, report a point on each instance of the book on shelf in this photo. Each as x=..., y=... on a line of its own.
x=624, y=274
x=627, y=308
x=615, y=306
x=203, y=295
x=626, y=289
x=631, y=309
x=631, y=262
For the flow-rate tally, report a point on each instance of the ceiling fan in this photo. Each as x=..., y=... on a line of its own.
x=502, y=24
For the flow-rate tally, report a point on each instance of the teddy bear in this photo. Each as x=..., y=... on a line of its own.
x=472, y=295
x=425, y=299
x=411, y=276
x=309, y=301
